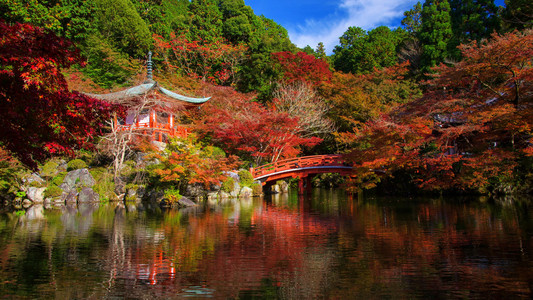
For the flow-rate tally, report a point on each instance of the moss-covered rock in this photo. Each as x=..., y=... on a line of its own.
x=52, y=191
x=76, y=164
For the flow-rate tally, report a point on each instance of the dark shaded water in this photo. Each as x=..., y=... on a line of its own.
x=326, y=246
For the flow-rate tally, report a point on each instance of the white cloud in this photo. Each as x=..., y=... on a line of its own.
x=360, y=13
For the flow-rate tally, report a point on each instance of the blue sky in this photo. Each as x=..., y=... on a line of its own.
x=312, y=21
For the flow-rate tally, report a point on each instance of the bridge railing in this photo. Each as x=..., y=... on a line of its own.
x=297, y=163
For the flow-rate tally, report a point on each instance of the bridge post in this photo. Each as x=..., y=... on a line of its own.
x=308, y=185
x=301, y=186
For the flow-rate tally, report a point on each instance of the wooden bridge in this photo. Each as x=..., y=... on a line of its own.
x=302, y=168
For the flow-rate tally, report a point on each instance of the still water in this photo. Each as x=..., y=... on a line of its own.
x=328, y=245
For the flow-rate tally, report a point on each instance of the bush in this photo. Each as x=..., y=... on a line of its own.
x=52, y=191
x=58, y=180
x=246, y=178
x=105, y=186
x=228, y=185
x=76, y=164
x=172, y=195
x=257, y=189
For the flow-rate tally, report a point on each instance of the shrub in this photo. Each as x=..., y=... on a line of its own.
x=76, y=164
x=257, y=189
x=58, y=180
x=228, y=185
x=172, y=195
x=52, y=191
x=105, y=187
x=246, y=178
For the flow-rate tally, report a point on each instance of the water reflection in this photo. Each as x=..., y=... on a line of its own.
x=327, y=245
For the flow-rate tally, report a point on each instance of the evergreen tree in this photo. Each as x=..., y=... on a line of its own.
x=120, y=24
x=473, y=20
x=239, y=21
x=320, y=51
x=518, y=14
x=206, y=20
x=412, y=20
x=435, y=33
x=350, y=51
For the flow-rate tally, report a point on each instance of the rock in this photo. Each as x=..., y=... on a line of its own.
x=186, y=202
x=34, y=177
x=195, y=190
x=87, y=195
x=275, y=189
x=36, y=195
x=62, y=167
x=283, y=186
x=26, y=203
x=80, y=177
x=120, y=186
x=246, y=192
x=70, y=197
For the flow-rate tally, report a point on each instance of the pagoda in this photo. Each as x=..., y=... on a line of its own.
x=151, y=109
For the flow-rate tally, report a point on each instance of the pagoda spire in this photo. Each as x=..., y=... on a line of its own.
x=149, y=77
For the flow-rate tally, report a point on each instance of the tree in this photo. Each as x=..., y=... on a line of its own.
x=119, y=22
x=302, y=67
x=518, y=14
x=471, y=129
x=435, y=33
x=412, y=20
x=215, y=62
x=206, y=20
x=410, y=48
x=248, y=129
x=350, y=52
x=320, y=51
x=38, y=114
x=299, y=100
x=472, y=20
x=186, y=161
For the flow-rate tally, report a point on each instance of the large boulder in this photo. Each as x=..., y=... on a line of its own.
x=35, y=194
x=186, y=202
x=77, y=178
x=246, y=192
x=87, y=195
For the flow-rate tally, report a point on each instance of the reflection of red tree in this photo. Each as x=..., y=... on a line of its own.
x=226, y=255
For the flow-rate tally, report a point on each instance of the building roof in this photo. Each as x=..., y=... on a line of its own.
x=148, y=86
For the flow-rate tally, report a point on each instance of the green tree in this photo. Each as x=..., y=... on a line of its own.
x=435, y=33
x=120, y=24
x=320, y=51
x=472, y=20
x=518, y=14
x=72, y=19
x=258, y=73
x=239, y=20
x=350, y=51
x=206, y=20
x=412, y=20
x=163, y=16
x=381, y=48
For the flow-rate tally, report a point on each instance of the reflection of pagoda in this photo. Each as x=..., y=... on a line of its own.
x=151, y=108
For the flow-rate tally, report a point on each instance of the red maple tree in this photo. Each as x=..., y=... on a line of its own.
x=39, y=116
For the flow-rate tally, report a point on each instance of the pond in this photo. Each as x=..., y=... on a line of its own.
x=326, y=245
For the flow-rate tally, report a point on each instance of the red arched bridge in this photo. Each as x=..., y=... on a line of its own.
x=302, y=168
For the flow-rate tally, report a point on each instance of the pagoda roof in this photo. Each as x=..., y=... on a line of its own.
x=143, y=89
x=148, y=86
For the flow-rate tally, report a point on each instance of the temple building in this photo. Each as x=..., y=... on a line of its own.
x=151, y=109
